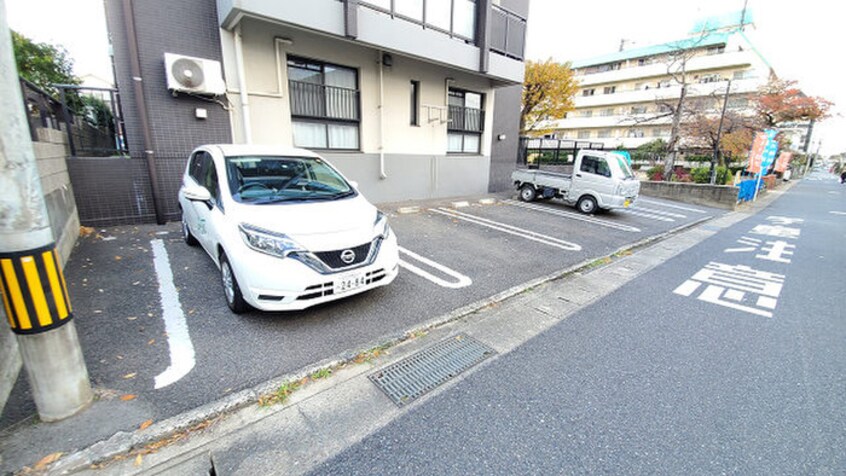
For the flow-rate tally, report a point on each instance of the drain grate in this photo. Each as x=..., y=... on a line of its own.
x=425, y=370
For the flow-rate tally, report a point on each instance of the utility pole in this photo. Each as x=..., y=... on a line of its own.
x=35, y=296
x=719, y=136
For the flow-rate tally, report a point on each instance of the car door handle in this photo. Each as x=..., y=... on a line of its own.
x=578, y=175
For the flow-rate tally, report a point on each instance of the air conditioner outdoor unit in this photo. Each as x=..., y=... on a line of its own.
x=193, y=75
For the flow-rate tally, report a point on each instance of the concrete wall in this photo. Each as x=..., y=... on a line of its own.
x=720, y=196
x=51, y=152
x=412, y=152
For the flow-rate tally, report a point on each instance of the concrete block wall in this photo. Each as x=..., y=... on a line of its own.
x=720, y=196
x=51, y=154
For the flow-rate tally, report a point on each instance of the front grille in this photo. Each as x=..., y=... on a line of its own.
x=334, y=261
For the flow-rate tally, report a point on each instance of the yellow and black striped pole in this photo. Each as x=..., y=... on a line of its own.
x=35, y=295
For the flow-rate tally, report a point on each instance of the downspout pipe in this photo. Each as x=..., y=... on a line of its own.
x=382, y=174
x=141, y=107
x=246, y=127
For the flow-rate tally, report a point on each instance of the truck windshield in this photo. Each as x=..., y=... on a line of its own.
x=625, y=168
x=273, y=179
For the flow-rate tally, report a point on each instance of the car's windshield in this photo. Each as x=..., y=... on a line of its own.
x=625, y=168
x=273, y=179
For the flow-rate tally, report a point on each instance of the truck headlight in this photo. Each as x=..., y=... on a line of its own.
x=380, y=226
x=268, y=242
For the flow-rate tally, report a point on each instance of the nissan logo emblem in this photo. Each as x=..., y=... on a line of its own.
x=348, y=256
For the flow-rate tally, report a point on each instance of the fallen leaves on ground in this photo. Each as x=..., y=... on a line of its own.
x=47, y=461
x=128, y=397
x=138, y=460
x=130, y=375
x=145, y=425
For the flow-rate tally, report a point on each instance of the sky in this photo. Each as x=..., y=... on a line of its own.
x=801, y=40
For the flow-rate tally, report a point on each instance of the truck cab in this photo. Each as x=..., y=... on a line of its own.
x=599, y=180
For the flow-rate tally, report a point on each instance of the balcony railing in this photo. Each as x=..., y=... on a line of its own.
x=320, y=100
x=466, y=119
x=508, y=33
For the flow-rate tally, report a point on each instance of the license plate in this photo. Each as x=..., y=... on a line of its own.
x=348, y=283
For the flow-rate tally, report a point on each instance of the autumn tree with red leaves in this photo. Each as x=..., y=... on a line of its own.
x=780, y=101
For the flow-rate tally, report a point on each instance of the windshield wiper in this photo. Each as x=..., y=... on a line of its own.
x=343, y=195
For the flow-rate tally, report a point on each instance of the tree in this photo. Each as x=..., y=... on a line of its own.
x=43, y=64
x=548, y=91
x=671, y=106
x=702, y=129
x=780, y=101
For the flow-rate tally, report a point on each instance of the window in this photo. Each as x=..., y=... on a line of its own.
x=587, y=113
x=716, y=50
x=595, y=165
x=272, y=179
x=466, y=122
x=414, y=115
x=412, y=9
x=583, y=135
x=635, y=133
x=456, y=17
x=588, y=92
x=607, y=112
x=508, y=32
x=638, y=109
x=609, y=90
x=203, y=172
x=604, y=133
x=324, y=104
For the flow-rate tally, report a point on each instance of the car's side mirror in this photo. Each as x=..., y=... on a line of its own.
x=197, y=193
x=354, y=184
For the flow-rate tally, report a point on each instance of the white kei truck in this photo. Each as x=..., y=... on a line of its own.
x=600, y=180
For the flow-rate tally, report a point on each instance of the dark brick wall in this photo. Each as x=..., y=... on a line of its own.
x=504, y=153
x=173, y=26
x=116, y=191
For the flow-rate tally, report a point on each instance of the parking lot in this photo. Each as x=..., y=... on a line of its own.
x=154, y=324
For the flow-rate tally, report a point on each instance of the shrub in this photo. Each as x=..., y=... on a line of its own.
x=703, y=175
x=656, y=173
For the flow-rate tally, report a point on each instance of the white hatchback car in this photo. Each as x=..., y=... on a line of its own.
x=286, y=229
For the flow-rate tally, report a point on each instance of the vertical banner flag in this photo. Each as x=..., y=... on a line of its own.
x=770, y=150
x=782, y=162
x=757, y=152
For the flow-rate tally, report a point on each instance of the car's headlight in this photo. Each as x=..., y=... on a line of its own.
x=380, y=226
x=264, y=241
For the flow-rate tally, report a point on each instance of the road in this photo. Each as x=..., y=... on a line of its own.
x=742, y=373
x=116, y=280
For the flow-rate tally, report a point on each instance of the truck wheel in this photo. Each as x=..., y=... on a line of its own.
x=587, y=205
x=528, y=193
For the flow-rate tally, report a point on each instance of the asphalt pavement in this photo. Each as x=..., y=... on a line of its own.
x=657, y=378
x=473, y=252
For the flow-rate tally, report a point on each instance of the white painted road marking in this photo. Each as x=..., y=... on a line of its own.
x=572, y=215
x=657, y=212
x=461, y=281
x=645, y=215
x=728, y=286
x=653, y=202
x=837, y=213
x=511, y=230
x=176, y=328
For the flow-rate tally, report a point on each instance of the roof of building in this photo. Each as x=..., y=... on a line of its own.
x=712, y=39
x=719, y=29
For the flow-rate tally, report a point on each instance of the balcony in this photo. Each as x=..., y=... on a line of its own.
x=466, y=119
x=700, y=63
x=448, y=39
x=673, y=91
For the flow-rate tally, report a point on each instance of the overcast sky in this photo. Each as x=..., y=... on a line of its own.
x=801, y=40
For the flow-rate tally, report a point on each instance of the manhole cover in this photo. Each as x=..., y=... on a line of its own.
x=425, y=370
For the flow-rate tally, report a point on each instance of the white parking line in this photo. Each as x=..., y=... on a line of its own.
x=511, y=230
x=657, y=212
x=572, y=215
x=461, y=281
x=653, y=202
x=645, y=215
x=837, y=213
x=176, y=329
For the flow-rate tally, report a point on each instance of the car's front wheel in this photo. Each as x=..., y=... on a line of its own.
x=234, y=298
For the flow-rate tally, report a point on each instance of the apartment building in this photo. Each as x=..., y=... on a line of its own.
x=399, y=94
x=622, y=93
